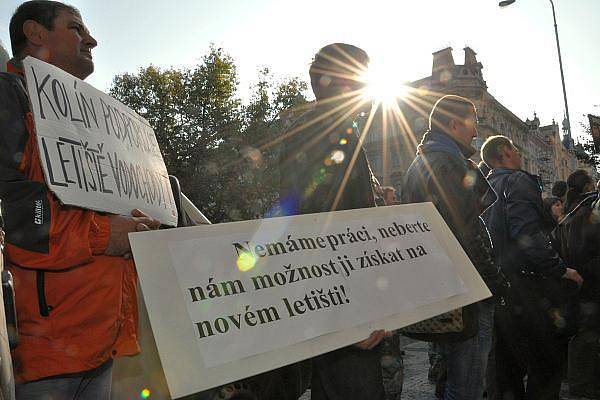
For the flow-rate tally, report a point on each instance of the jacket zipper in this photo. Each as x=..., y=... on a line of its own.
x=44, y=308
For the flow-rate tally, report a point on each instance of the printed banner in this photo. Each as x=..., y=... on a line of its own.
x=232, y=300
x=96, y=152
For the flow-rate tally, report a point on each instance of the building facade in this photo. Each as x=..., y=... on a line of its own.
x=395, y=132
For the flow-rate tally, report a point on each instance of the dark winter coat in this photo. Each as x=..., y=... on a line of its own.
x=443, y=174
x=324, y=168
x=577, y=238
x=516, y=225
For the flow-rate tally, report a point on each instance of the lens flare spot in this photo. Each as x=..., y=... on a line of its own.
x=349, y=131
x=343, y=142
x=145, y=393
x=469, y=179
x=246, y=262
x=325, y=80
x=382, y=283
x=445, y=76
x=337, y=156
x=328, y=162
x=254, y=156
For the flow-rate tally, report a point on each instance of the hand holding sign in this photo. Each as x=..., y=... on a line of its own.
x=373, y=340
x=121, y=226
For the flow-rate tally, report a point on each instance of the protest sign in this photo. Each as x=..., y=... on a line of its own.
x=96, y=152
x=228, y=301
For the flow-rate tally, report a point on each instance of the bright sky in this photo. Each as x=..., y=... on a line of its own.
x=516, y=44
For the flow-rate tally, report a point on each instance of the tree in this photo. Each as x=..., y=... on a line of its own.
x=220, y=149
x=586, y=151
x=255, y=168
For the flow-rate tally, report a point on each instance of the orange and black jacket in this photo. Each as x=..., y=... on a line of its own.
x=76, y=307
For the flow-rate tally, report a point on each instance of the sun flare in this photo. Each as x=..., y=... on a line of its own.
x=383, y=84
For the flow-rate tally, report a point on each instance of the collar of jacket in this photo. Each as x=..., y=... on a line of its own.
x=495, y=172
x=319, y=114
x=439, y=141
x=15, y=66
x=503, y=171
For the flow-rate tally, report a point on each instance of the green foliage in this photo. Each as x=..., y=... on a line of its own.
x=222, y=151
x=586, y=151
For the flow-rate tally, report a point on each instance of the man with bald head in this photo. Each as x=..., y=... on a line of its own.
x=75, y=282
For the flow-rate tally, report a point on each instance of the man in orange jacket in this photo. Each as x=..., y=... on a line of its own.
x=75, y=282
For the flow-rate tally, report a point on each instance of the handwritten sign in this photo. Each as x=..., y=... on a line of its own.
x=96, y=152
x=228, y=301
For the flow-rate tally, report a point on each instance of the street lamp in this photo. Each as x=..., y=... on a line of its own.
x=505, y=3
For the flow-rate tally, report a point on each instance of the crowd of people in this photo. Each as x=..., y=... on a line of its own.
x=75, y=281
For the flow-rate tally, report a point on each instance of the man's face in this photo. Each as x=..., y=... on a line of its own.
x=338, y=83
x=68, y=46
x=464, y=130
x=557, y=210
x=389, y=197
x=511, y=157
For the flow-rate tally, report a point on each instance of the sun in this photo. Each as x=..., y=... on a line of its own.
x=383, y=84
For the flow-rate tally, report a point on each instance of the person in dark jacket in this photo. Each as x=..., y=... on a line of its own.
x=577, y=238
x=443, y=174
x=324, y=168
x=526, y=344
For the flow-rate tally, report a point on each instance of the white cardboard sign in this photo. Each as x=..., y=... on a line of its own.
x=228, y=301
x=96, y=152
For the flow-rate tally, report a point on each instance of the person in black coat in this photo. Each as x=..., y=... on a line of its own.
x=443, y=174
x=324, y=168
x=577, y=238
x=527, y=337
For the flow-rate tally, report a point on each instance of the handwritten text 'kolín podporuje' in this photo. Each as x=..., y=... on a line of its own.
x=57, y=101
x=101, y=157
x=318, y=297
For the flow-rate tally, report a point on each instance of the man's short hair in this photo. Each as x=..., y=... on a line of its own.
x=337, y=59
x=491, y=151
x=450, y=107
x=44, y=12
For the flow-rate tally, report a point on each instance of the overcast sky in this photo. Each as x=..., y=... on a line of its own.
x=516, y=44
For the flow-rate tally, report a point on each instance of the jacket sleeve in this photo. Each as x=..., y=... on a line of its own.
x=457, y=204
x=41, y=233
x=524, y=219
